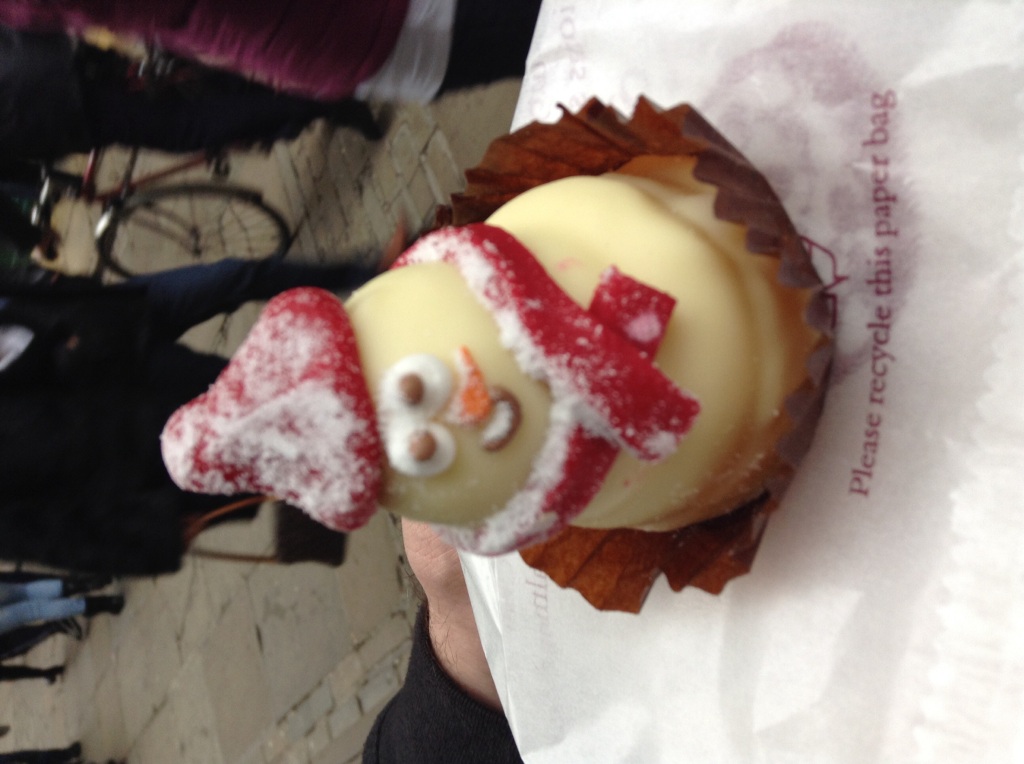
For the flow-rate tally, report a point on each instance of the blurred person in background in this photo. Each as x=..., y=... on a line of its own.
x=89, y=374
x=61, y=96
x=386, y=50
x=51, y=599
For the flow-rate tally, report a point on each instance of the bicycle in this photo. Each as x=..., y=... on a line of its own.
x=147, y=227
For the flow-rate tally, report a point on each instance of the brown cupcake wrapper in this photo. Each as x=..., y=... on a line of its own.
x=615, y=569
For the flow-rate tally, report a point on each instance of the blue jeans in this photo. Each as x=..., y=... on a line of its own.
x=184, y=297
x=24, y=603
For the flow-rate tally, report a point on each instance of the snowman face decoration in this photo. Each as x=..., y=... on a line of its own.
x=413, y=392
x=455, y=412
x=420, y=400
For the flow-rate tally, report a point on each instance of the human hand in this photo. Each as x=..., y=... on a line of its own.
x=451, y=623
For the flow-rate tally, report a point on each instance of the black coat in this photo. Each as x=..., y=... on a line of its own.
x=82, y=482
x=17, y=233
x=432, y=719
x=42, y=115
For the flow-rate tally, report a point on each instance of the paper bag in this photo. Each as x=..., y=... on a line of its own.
x=883, y=619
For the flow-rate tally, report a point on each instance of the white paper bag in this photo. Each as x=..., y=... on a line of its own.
x=884, y=618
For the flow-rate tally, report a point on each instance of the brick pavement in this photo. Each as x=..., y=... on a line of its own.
x=239, y=663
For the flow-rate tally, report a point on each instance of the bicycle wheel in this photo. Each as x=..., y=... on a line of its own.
x=172, y=226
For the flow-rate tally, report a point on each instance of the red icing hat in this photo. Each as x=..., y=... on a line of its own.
x=290, y=416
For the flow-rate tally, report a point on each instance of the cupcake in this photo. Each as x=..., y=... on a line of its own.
x=702, y=540
x=612, y=362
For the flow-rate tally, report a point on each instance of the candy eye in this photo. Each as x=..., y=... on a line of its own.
x=420, y=449
x=413, y=390
x=420, y=383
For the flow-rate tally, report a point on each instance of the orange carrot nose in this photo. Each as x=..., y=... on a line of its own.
x=472, y=402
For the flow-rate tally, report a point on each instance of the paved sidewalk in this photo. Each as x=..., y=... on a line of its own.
x=238, y=663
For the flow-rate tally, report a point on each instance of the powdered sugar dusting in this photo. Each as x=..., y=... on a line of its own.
x=639, y=311
x=290, y=416
x=295, y=446
x=554, y=493
x=643, y=328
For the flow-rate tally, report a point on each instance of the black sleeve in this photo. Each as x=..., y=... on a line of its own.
x=40, y=97
x=432, y=720
x=84, y=334
x=16, y=226
x=84, y=487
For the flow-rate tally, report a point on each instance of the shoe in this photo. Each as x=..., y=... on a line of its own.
x=72, y=628
x=358, y=116
x=112, y=604
x=81, y=584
